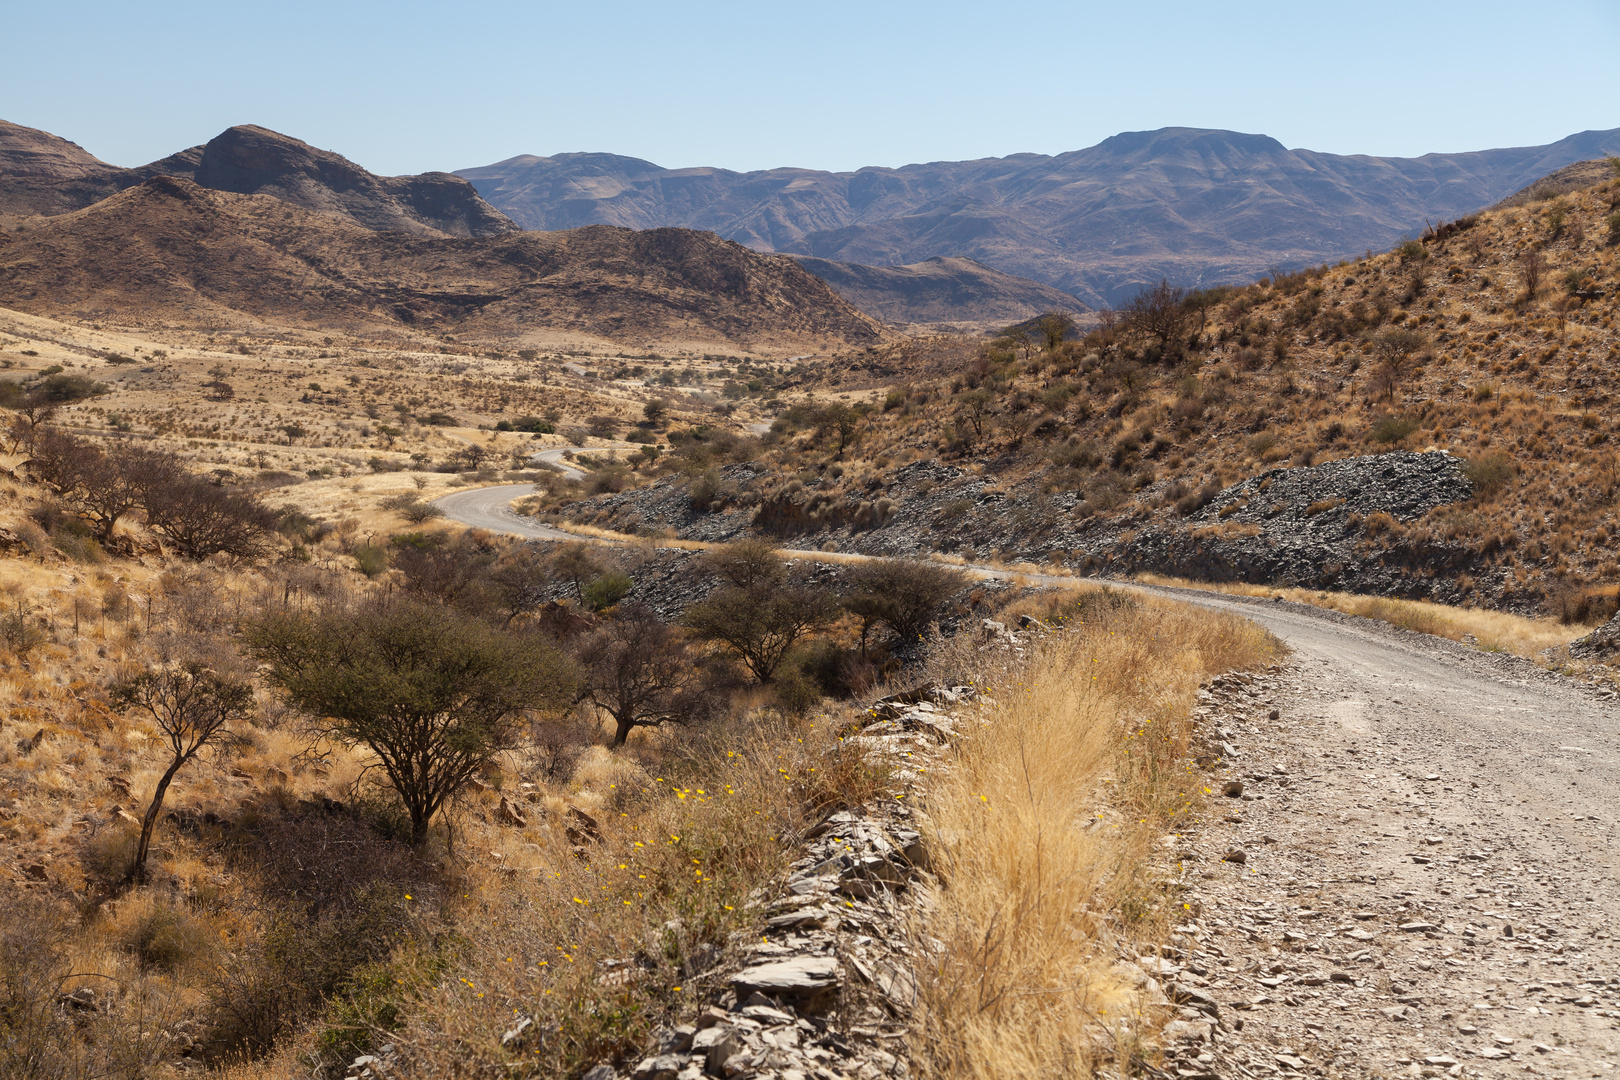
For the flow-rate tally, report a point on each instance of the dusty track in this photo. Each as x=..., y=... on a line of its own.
x=1390, y=747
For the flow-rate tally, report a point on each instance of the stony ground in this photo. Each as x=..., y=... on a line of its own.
x=1409, y=867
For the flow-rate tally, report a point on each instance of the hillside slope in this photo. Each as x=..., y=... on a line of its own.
x=170, y=249
x=954, y=293
x=1256, y=440
x=1199, y=206
x=43, y=174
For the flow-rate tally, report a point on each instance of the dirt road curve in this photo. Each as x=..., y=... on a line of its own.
x=1429, y=881
x=491, y=508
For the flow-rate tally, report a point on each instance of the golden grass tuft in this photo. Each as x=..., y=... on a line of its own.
x=1042, y=832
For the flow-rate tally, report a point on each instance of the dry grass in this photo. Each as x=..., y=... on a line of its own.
x=608, y=943
x=1042, y=833
x=1492, y=631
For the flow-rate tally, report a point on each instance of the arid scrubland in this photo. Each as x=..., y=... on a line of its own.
x=291, y=914
x=1491, y=338
x=606, y=795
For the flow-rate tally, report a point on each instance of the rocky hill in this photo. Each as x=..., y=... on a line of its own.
x=1434, y=422
x=1582, y=174
x=174, y=250
x=43, y=174
x=1201, y=207
x=941, y=293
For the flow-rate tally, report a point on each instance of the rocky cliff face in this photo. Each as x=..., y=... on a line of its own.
x=1356, y=524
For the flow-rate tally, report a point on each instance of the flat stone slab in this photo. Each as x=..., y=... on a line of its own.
x=800, y=977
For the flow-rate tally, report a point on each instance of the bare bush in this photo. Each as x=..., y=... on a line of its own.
x=191, y=706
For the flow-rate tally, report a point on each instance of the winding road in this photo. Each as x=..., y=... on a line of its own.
x=1432, y=825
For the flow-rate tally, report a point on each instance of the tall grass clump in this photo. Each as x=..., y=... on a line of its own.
x=1043, y=829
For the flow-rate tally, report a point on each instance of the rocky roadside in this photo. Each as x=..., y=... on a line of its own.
x=1321, y=526
x=1359, y=904
x=826, y=990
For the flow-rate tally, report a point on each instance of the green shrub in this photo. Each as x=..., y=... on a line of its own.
x=1392, y=429
x=1490, y=472
x=370, y=559
x=795, y=691
x=369, y=1002
x=418, y=512
x=607, y=590
x=1613, y=222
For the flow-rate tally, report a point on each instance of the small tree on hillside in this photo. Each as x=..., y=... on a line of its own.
x=202, y=519
x=638, y=672
x=575, y=563
x=904, y=594
x=761, y=628
x=1160, y=313
x=433, y=693
x=747, y=564
x=839, y=421
x=192, y=706
x=1054, y=327
x=757, y=614
x=1397, y=351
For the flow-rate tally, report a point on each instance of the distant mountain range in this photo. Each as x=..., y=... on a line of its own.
x=1198, y=206
x=951, y=245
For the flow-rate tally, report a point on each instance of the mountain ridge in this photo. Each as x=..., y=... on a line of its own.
x=1200, y=206
x=944, y=293
x=173, y=250
x=41, y=173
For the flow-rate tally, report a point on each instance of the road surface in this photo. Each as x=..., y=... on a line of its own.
x=1430, y=878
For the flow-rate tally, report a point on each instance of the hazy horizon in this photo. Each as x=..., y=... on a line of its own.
x=745, y=87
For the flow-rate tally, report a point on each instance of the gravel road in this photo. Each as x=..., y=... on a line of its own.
x=1428, y=882
x=491, y=508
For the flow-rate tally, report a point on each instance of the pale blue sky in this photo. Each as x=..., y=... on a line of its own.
x=409, y=86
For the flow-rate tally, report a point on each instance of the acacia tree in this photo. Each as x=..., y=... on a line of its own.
x=638, y=672
x=1159, y=313
x=903, y=594
x=757, y=614
x=192, y=706
x=433, y=693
